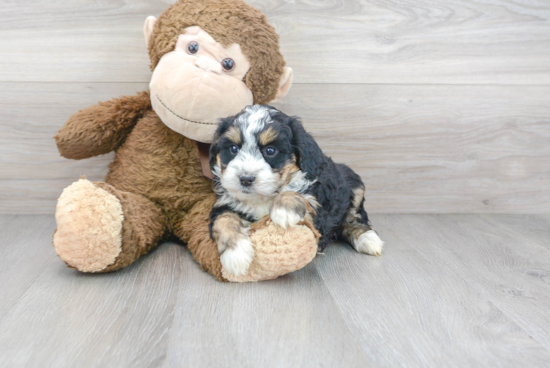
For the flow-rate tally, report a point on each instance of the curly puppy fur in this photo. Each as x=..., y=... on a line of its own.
x=265, y=162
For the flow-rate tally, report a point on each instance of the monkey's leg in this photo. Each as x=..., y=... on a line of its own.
x=193, y=229
x=277, y=251
x=102, y=229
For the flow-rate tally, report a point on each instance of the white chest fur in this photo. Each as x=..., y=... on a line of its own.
x=257, y=206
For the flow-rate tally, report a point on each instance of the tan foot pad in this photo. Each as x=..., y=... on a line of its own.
x=89, y=226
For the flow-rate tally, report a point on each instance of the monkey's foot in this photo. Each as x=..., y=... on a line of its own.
x=89, y=225
x=102, y=229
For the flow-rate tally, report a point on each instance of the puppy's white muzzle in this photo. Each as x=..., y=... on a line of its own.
x=249, y=174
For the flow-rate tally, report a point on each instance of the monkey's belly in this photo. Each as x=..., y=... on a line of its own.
x=161, y=165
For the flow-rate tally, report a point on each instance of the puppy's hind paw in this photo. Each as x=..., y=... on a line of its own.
x=369, y=243
x=236, y=260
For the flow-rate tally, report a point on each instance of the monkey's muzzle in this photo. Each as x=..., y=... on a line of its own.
x=190, y=99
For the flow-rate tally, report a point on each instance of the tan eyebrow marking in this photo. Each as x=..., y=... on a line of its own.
x=268, y=136
x=234, y=134
x=219, y=162
x=289, y=168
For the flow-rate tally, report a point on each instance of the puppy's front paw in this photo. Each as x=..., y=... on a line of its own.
x=369, y=243
x=236, y=258
x=288, y=209
x=284, y=217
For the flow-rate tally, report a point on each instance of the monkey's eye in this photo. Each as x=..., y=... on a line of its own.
x=193, y=47
x=270, y=151
x=234, y=149
x=228, y=64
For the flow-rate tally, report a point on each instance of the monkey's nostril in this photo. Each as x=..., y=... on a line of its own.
x=247, y=180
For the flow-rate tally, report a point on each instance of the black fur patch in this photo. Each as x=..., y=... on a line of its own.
x=333, y=184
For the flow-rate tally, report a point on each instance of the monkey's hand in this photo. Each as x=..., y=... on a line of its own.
x=288, y=209
x=102, y=128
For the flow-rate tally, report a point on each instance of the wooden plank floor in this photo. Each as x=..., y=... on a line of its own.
x=449, y=291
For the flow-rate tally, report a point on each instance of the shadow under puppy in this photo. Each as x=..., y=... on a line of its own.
x=264, y=162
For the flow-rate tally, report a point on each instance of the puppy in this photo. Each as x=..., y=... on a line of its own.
x=264, y=162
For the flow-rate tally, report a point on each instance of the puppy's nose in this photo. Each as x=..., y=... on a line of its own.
x=247, y=180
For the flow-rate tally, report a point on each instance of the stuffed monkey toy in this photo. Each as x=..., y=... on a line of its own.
x=210, y=59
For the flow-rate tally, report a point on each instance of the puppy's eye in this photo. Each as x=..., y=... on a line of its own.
x=234, y=149
x=270, y=151
x=193, y=47
x=228, y=64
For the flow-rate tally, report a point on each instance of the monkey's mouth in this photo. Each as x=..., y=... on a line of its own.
x=181, y=117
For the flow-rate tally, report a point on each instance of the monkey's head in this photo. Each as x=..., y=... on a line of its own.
x=210, y=59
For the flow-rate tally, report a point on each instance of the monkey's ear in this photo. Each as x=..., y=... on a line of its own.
x=148, y=28
x=284, y=84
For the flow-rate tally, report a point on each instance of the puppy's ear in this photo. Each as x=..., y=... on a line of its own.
x=225, y=123
x=311, y=159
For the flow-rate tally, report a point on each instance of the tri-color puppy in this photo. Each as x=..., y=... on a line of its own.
x=264, y=162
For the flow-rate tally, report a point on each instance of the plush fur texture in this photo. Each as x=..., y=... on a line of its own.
x=102, y=128
x=265, y=162
x=157, y=175
x=156, y=178
x=142, y=228
x=228, y=21
x=81, y=240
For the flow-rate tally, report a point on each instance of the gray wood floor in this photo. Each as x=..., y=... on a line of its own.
x=449, y=291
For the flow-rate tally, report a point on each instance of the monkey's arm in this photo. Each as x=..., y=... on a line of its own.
x=101, y=128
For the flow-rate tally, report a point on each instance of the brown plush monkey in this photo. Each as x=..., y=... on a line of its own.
x=210, y=58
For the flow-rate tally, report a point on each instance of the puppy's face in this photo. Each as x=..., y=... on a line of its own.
x=252, y=154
